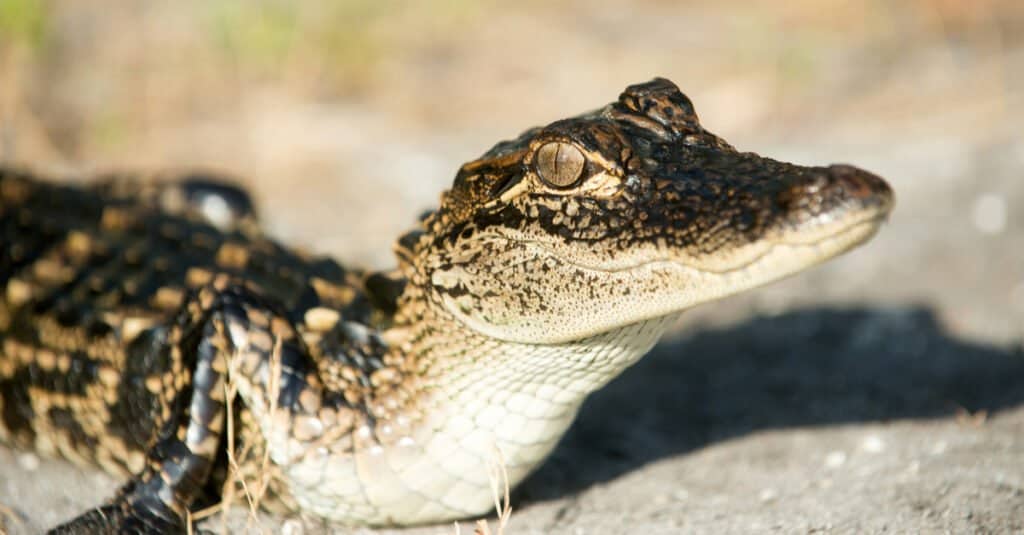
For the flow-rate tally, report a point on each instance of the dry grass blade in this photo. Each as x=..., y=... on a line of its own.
x=255, y=490
x=237, y=477
x=500, y=491
x=502, y=504
x=5, y=513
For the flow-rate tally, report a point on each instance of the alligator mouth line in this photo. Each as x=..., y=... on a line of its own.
x=823, y=248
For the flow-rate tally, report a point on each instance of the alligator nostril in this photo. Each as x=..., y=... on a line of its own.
x=862, y=186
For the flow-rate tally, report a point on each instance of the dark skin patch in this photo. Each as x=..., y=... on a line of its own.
x=17, y=413
x=136, y=413
x=64, y=420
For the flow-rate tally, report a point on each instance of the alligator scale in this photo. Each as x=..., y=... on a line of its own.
x=139, y=319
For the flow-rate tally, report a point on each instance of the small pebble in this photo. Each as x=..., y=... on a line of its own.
x=873, y=444
x=1017, y=296
x=914, y=467
x=835, y=459
x=28, y=461
x=292, y=527
x=989, y=213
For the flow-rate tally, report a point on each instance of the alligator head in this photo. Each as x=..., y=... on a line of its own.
x=628, y=213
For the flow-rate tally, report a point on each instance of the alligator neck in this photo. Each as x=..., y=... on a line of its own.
x=476, y=402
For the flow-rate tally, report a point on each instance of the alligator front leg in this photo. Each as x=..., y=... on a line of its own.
x=222, y=322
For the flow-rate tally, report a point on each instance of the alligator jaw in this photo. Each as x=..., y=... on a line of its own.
x=667, y=286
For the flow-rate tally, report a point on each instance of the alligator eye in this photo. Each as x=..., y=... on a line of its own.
x=560, y=164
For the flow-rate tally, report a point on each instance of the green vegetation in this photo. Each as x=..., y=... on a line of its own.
x=338, y=43
x=23, y=22
x=258, y=32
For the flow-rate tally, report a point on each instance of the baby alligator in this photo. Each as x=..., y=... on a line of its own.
x=151, y=329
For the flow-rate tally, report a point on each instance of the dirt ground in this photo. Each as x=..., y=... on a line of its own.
x=882, y=392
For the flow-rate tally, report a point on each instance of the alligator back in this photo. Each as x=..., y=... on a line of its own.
x=91, y=276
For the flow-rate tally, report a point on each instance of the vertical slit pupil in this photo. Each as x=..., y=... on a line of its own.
x=560, y=164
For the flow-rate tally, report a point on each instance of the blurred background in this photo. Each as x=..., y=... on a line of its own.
x=346, y=120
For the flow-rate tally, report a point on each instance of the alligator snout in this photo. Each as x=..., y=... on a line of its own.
x=825, y=201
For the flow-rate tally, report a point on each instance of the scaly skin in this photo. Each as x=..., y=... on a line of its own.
x=130, y=313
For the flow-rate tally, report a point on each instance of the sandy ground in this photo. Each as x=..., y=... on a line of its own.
x=881, y=392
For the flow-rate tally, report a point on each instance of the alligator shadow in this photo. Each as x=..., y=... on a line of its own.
x=819, y=366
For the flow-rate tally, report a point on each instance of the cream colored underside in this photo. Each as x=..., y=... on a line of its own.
x=507, y=405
